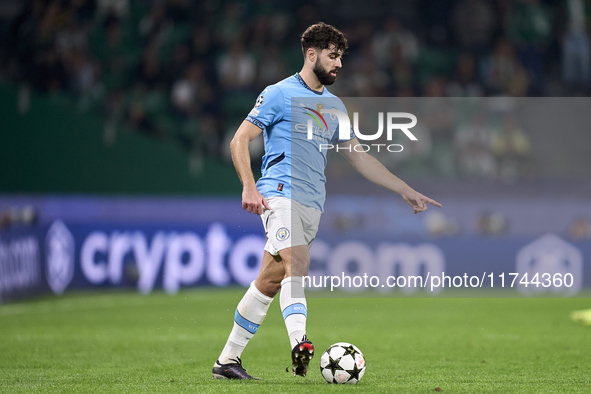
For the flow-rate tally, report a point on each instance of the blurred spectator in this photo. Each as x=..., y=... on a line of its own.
x=416, y=154
x=576, y=55
x=528, y=27
x=503, y=72
x=512, y=148
x=115, y=106
x=211, y=135
x=113, y=50
x=474, y=22
x=438, y=115
x=179, y=11
x=478, y=163
x=83, y=73
x=83, y=11
x=154, y=23
x=435, y=87
x=137, y=115
x=50, y=73
x=26, y=215
x=358, y=34
x=150, y=71
x=181, y=59
x=472, y=149
x=369, y=80
x=403, y=80
x=492, y=224
x=259, y=37
x=72, y=37
x=464, y=82
x=394, y=44
x=511, y=140
x=201, y=43
x=580, y=229
x=528, y=23
x=237, y=68
x=119, y=8
x=475, y=132
x=229, y=28
x=272, y=68
x=184, y=90
x=439, y=225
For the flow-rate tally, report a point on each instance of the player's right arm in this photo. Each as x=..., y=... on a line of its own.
x=252, y=199
x=374, y=171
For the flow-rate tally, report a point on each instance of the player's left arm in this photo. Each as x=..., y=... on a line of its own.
x=374, y=171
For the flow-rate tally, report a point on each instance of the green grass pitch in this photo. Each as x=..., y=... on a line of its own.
x=126, y=342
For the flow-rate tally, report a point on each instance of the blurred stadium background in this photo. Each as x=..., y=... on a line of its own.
x=117, y=114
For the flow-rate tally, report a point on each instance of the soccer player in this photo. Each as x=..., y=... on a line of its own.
x=290, y=195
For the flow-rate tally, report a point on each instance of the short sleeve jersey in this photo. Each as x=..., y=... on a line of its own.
x=296, y=136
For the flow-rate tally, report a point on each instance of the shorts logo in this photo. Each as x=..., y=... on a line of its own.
x=282, y=234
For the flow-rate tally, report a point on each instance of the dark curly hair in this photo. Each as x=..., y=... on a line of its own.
x=322, y=36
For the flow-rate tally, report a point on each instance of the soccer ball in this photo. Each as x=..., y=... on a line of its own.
x=342, y=363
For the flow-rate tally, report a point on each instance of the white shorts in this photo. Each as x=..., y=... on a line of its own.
x=288, y=224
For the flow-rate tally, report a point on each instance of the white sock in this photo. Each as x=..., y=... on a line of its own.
x=250, y=313
x=293, y=305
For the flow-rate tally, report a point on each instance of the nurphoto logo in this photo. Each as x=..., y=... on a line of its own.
x=345, y=127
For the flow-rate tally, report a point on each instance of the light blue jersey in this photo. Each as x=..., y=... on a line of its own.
x=293, y=164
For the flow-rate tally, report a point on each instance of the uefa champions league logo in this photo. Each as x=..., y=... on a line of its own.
x=60, y=252
x=259, y=101
x=547, y=257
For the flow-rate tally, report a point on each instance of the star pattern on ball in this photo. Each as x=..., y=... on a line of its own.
x=342, y=363
x=354, y=372
x=333, y=365
x=349, y=350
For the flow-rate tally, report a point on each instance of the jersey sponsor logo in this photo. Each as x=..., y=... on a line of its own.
x=320, y=130
x=316, y=118
x=282, y=234
x=254, y=112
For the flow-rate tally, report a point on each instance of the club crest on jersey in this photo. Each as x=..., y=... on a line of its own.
x=282, y=234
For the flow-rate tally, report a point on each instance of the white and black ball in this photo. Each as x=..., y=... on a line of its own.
x=342, y=363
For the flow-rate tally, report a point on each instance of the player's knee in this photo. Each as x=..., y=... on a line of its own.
x=299, y=266
x=270, y=288
x=274, y=288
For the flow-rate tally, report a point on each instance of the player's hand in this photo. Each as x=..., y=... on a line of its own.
x=253, y=201
x=418, y=202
